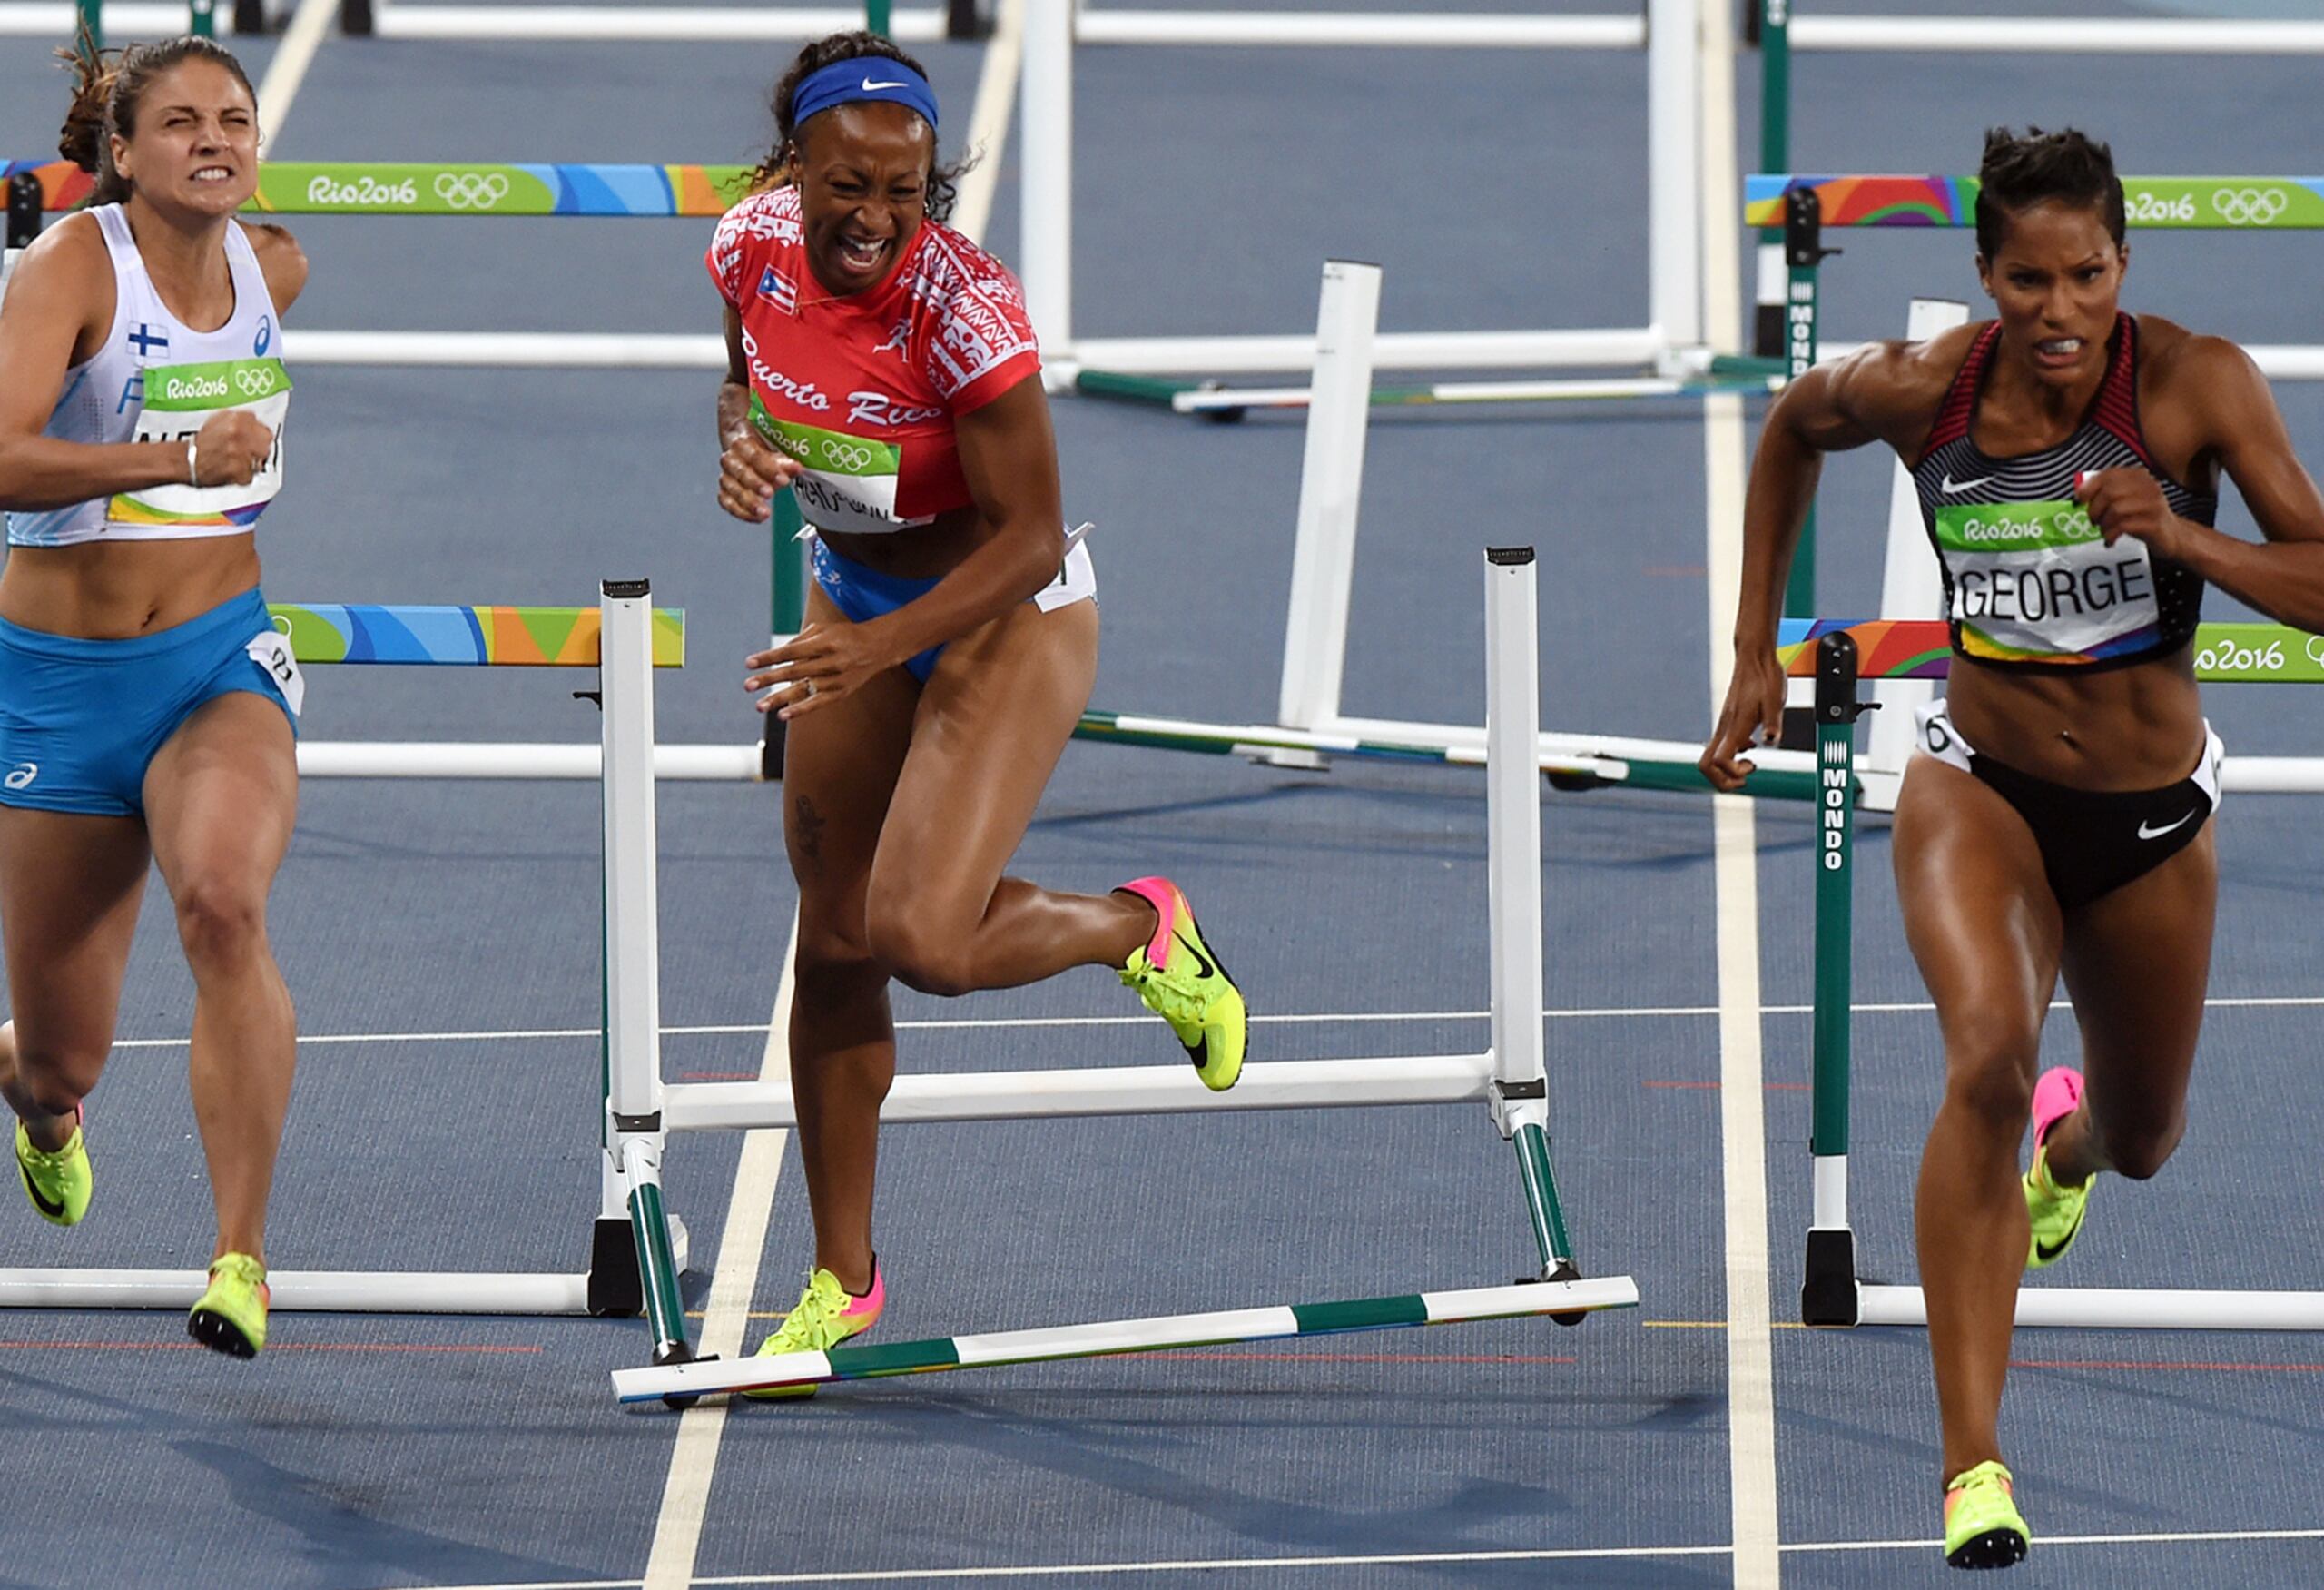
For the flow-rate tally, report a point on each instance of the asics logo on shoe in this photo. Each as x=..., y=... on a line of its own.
x=1949, y=485
x=1207, y=970
x=53, y=1208
x=2147, y=832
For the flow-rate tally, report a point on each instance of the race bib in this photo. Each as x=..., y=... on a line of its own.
x=179, y=400
x=269, y=648
x=2036, y=582
x=848, y=483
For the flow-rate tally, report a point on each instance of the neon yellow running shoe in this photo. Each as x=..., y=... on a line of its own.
x=1983, y=1528
x=2054, y=1212
x=231, y=1316
x=1182, y=980
x=57, y=1182
x=826, y=1315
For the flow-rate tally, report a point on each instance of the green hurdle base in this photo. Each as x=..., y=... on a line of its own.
x=1120, y=1337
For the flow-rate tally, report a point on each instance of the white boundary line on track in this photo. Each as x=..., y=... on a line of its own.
x=1316, y=1018
x=1752, y=1492
x=693, y=1459
x=1414, y=1559
x=279, y=89
x=726, y=1314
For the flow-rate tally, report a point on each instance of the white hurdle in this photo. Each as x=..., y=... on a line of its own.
x=1511, y=1077
x=623, y=1275
x=1667, y=29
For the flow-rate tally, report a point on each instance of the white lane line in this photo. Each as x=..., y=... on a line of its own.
x=726, y=1315
x=1324, y=1018
x=1265, y=1564
x=280, y=87
x=1743, y=1144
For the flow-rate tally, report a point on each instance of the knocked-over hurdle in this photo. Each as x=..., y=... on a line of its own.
x=624, y=639
x=1509, y=1078
x=1837, y=652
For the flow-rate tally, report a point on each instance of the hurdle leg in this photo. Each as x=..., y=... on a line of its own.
x=1520, y=1094
x=1331, y=483
x=633, y=959
x=1827, y=1295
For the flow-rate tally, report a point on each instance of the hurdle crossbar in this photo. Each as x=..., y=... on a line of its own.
x=1511, y=1078
x=624, y=639
x=2075, y=35
x=1837, y=653
x=1667, y=29
x=1115, y=1338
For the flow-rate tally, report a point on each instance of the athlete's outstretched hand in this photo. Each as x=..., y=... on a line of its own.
x=2130, y=503
x=749, y=473
x=231, y=450
x=1752, y=715
x=818, y=666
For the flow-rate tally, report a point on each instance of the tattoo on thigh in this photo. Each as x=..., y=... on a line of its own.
x=807, y=833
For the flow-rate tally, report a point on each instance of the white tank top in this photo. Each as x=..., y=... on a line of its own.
x=154, y=380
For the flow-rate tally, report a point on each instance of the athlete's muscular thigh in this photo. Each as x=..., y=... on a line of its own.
x=70, y=888
x=993, y=721
x=2137, y=963
x=840, y=764
x=1981, y=923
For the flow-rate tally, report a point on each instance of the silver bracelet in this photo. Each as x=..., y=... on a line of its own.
x=193, y=475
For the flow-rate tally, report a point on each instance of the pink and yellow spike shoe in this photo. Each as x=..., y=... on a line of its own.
x=1182, y=980
x=826, y=1315
x=2054, y=1212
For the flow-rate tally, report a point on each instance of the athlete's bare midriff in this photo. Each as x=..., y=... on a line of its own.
x=97, y=590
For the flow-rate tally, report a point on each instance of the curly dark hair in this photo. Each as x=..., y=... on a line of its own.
x=775, y=170
x=2067, y=166
x=109, y=85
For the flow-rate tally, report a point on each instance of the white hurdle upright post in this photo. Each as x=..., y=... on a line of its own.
x=1911, y=586
x=1330, y=485
x=1521, y=1090
x=633, y=999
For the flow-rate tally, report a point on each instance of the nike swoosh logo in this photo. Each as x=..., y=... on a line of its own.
x=54, y=1211
x=2147, y=832
x=869, y=85
x=2048, y=1251
x=1207, y=968
x=1950, y=485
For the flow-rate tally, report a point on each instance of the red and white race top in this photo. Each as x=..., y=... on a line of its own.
x=863, y=390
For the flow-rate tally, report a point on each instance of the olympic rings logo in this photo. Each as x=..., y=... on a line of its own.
x=2073, y=524
x=468, y=190
x=255, y=383
x=2316, y=649
x=2249, y=206
x=846, y=455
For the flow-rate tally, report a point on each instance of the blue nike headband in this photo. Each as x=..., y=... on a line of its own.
x=858, y=79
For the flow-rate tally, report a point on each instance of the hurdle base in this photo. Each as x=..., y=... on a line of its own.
x=1830, y=1296
x=2119, y=1309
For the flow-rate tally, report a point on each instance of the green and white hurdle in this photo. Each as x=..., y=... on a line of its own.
x=624, y=641
x=1837, y=652
x=1509, y=1078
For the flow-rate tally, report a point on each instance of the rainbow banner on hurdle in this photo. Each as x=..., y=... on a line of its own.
x=401, y=187
x=1922, y=648
x=1117, y=1336
x=2188, y=204
x=497, y=638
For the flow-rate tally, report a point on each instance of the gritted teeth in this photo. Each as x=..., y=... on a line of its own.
x=212, y=173
x=2061, y=345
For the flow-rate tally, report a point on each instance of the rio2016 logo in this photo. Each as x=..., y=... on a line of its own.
x=2155, y=210
x=363, y=192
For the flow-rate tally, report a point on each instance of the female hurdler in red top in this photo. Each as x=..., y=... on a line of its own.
x=881, y=366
